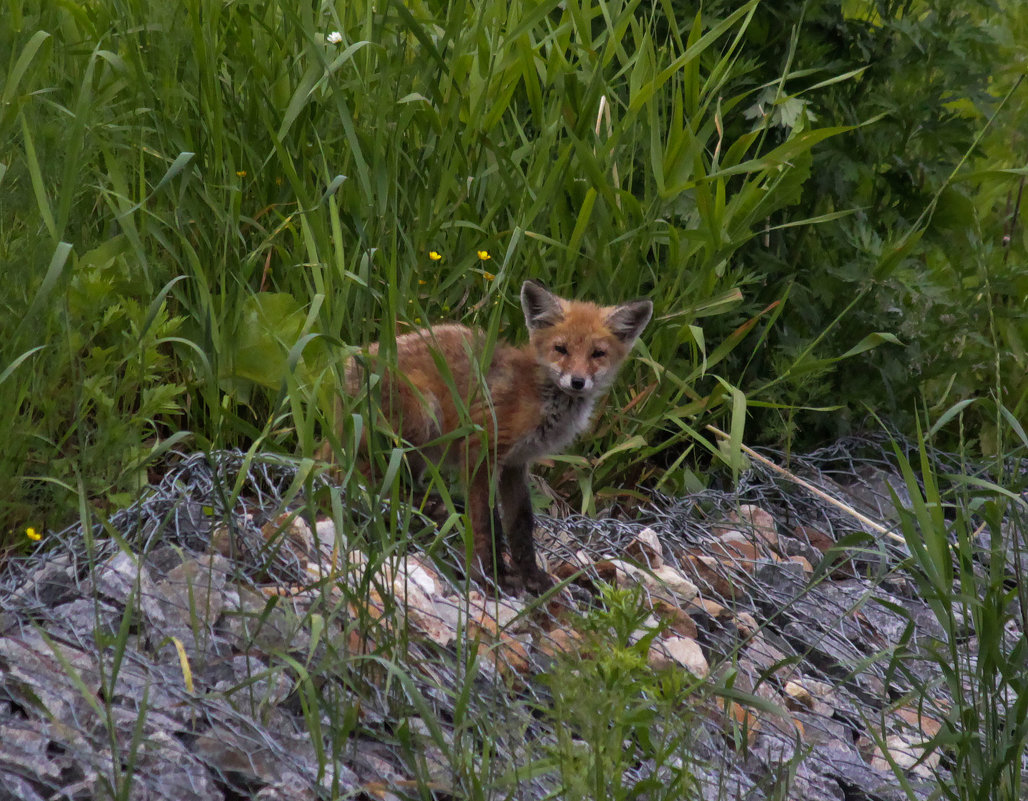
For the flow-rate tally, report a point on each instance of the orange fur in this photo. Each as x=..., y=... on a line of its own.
x=526, y=403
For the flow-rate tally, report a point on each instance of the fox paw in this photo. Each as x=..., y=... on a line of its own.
x=496, y=580
x=537, y=581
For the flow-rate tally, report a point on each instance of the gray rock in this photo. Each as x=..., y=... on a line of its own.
x=269, y=625
x=190, y=596
x=23, y=748
x=779, y=760
x=167, y=770
x=226, y=751
x=119, y=579
x=830, y=652
x=373, y=761
x=720, y=782
x=90, y=617
x=432, y=761
x=808, y=785
x=251, y=686
x=53, y=583
x=50, y=677
x=868, y=491
x=760, y=655
x=784, y=580
x=340, y=782
x=241, y=727
x=793, y=546
x=161, y=684
x=17, y=788
x=152, y=723
x=823, y=730
x=857, y=779
x=291, y=787
x=184, y=607
x=9, y=622
x=768, y=750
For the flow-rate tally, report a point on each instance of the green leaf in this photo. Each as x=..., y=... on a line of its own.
x=13, y=81
x=869, y=342
x=270, y=325
x=632, y=443
x=642, y=70
x=42, y=296
x=14, y=365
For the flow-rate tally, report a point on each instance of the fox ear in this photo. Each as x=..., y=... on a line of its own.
x=542, y=308
x=627, y=322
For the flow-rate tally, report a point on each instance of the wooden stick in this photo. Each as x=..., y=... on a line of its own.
x=867, y=521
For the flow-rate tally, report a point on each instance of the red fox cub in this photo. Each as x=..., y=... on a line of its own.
x=524, y=402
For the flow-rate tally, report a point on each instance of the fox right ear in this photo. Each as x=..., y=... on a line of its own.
x=626, y=322
x=542, y=308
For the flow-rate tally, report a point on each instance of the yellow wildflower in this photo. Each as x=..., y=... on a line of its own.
x=484, y=255
x=489, y=276
x=435, y=255
x=240, y=173
x=32, y=534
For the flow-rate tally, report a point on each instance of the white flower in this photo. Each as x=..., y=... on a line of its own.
x=334, y=38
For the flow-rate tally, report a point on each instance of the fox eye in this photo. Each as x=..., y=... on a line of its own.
x=598, y=354
x=561, y=349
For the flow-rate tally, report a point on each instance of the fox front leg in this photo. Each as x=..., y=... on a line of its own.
x=518, y=521
x=487, y=533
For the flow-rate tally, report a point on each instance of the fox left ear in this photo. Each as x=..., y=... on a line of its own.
x=541, y=307
x=626, y=322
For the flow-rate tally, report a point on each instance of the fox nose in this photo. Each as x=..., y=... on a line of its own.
x=577, y=383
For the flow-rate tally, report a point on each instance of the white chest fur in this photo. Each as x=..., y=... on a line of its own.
x=564, y=418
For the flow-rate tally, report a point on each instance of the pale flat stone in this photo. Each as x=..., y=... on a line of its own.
x=682, y=651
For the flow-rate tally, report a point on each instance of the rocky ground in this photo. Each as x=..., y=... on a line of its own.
x=213, y=643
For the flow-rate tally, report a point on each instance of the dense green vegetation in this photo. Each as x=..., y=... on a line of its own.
x=931, y=180
x=203, y=203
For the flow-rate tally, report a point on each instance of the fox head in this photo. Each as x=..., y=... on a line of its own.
x=581, y=345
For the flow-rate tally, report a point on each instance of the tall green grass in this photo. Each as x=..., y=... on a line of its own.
x=202, y=203
x=967, y=536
